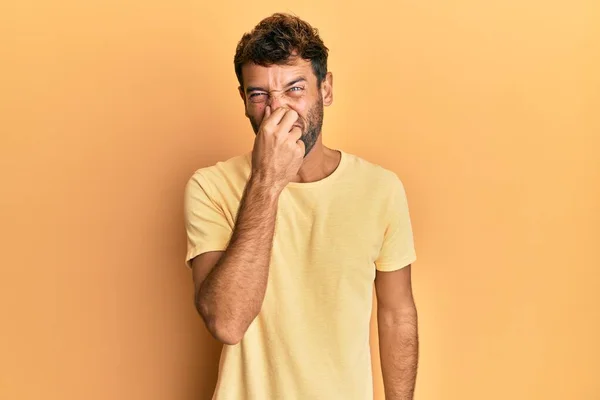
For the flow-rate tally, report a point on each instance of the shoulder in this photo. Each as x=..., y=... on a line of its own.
x=371, y=173
x=234, y=169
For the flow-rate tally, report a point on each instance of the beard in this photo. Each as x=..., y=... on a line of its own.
x=311, y=125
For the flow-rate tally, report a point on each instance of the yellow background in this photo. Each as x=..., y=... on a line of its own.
x=488, y=110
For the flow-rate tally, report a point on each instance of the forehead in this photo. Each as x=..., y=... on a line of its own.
x=276, y=75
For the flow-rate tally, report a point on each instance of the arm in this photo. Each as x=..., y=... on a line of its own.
x=229, y=295
x=230, y=286
x=398, y=333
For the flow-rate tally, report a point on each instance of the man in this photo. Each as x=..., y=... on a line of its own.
x=286, y=241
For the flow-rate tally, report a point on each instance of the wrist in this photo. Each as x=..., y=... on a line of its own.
x=264, y=186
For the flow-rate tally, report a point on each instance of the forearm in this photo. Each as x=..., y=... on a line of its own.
x=232, y=294
x=399, y=352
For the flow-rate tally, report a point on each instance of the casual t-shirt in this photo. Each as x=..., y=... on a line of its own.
x=310, y=340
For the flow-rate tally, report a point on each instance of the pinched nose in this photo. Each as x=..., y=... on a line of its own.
x=276, y=101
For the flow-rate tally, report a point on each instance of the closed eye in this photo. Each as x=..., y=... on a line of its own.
x=256, y=94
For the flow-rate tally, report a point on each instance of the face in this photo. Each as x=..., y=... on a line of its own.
x=292, y=86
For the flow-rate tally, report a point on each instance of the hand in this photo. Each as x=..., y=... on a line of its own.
x=278, y=151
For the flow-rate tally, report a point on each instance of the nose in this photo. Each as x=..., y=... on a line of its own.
x=276, y=101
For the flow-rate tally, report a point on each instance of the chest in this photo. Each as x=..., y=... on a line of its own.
x=329, y=241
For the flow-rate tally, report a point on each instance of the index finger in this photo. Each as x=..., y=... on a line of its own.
x=275, y=117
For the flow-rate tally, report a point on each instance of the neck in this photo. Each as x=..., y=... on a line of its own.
x=318, y=164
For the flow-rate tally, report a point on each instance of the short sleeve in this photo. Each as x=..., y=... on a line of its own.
x=398, y=249
x=206, y=226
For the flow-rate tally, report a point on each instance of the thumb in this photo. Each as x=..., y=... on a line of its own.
x=301, y=147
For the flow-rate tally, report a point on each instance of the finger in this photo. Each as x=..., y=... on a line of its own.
x=266, y=116
x=288, y=120
x=275, y=116
x=301, y=147
x=295, y=134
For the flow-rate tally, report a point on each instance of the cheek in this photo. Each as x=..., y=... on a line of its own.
x=300, y=105
x=302, y=109
x=256, y=108
x=255, y=111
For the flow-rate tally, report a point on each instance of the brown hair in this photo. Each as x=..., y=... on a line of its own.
x=277, y=38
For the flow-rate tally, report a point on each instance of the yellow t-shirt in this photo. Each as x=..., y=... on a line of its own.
x=310, y=340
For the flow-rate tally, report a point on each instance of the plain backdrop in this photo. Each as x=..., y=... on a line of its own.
x=487, y=110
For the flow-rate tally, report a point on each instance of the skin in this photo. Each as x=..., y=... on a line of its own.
x=398, y=333
x=284, y=105
x=271, y=85
x=230, y=286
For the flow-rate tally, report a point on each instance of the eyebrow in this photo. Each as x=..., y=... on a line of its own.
x=257, y=88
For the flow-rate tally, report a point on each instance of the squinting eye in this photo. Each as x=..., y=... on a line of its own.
x=257, y=97
x=296, y=88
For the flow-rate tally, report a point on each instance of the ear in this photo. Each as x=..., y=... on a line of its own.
x=243, y=96
x=327, y=89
